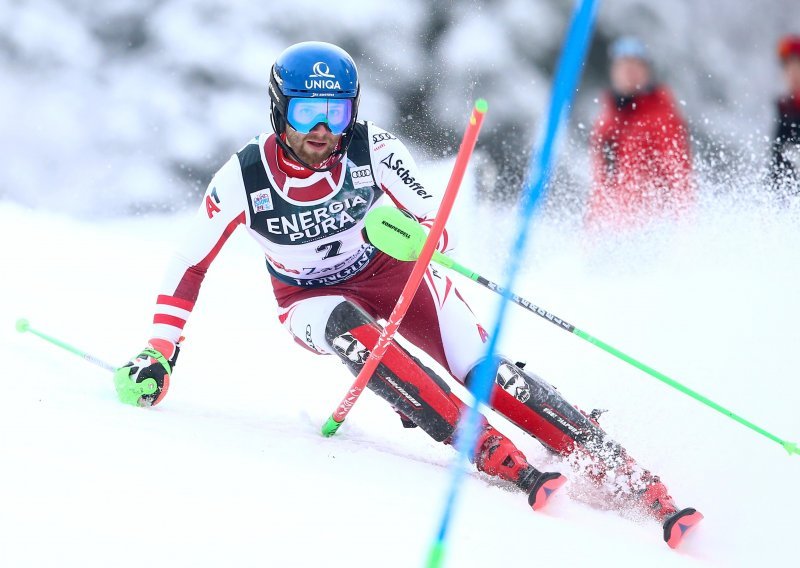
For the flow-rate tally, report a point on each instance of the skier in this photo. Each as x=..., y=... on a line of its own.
x=302, y=194
x=785, y=162
x=639, y=146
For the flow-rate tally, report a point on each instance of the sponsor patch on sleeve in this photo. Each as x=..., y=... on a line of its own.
x=262, y=200
x=362, y=177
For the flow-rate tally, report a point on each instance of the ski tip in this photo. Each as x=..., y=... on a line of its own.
x=23, y=325
x=679, y=524
x=548, y=483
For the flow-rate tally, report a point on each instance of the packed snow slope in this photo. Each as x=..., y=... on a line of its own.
x=230, y=470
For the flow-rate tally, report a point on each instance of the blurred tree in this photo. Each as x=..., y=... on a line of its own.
x=140, y=100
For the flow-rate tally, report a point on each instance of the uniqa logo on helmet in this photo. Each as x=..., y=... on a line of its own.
x=322, y=78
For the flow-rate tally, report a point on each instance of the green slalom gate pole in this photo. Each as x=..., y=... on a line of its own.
x=401, y=237
x=24, y=325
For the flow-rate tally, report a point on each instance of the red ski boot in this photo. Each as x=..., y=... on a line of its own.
x=656, y=501
x=631, y=485
x=497, y=455
x=658, y=504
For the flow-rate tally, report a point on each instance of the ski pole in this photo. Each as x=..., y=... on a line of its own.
x=410, y=289
x=24, y=325
x=400, y=237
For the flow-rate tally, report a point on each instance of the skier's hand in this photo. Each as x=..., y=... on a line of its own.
x=144, y=380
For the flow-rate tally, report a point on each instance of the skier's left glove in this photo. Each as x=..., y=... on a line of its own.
x=144, y=380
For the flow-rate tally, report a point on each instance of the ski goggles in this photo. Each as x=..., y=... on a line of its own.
x=303, y=114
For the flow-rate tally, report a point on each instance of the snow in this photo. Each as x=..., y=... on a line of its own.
x=230, y=470
x=125, y=107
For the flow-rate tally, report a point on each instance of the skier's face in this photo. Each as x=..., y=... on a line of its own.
x=791, y=73
x=629, y=75
x=313, y=148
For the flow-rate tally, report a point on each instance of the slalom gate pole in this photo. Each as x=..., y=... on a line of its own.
x=401, y=237
x=563, y=89
x=410, y=289
x=24, y=325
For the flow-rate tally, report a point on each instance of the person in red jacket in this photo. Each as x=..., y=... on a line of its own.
x=639, y=145
x=785, y=162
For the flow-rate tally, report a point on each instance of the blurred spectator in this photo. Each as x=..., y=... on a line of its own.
x=640, y=148
x=786, y=146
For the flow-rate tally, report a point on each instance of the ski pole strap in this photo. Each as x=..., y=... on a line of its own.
x=158, y=356
x=24, y=325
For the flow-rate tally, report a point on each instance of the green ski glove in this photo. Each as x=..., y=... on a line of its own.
x=144, y=381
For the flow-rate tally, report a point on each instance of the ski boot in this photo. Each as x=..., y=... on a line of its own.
x=676, y=523
x=630, y=486
x=658, y=504
x=497, y=455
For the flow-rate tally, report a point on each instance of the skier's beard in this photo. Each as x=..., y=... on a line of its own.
x=315, y=147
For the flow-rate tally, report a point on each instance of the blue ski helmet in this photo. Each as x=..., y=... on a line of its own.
x=314, y=70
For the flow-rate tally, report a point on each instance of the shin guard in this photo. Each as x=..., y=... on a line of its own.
x=412, y=389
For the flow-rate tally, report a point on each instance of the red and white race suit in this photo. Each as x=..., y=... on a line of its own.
x=309, y=225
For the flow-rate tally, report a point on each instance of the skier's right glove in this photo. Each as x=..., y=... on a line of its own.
x=144, y=380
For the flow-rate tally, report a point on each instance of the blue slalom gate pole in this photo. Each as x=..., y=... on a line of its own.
x=539, y=169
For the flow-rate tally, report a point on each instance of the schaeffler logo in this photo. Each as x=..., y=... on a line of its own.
x=322, y=78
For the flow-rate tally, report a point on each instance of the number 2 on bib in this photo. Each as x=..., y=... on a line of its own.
x=331, y=249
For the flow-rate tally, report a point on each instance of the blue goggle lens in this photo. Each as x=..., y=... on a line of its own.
x=304, y=114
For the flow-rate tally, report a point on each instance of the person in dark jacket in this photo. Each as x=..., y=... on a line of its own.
x=785, y=163
x=639, y=146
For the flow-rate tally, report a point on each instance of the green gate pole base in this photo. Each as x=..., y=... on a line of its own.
x=436, y=556
x=330, y=427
